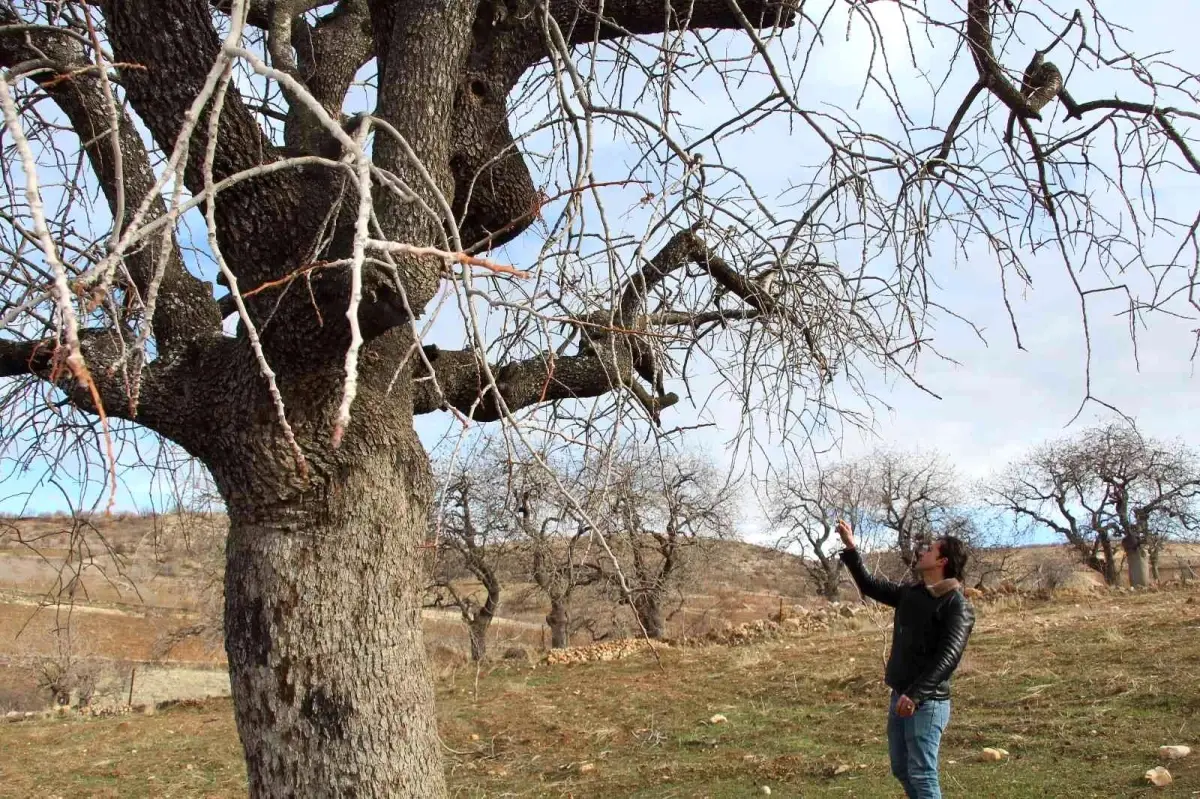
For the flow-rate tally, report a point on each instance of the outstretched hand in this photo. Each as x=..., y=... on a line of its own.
x=846, y=533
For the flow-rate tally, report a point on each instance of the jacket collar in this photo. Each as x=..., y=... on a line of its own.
x=940, y=589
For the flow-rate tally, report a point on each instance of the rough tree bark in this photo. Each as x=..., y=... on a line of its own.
x=1135, y=559
x=648, y=607
x=559, y=621
x=324, y=636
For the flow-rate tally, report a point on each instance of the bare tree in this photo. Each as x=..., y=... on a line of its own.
x=662, y=508
x=994, y=543
x=557, y=543
x=68, y=670
x=805, y=509
x=337, y=239
x=1153, y=492
x=198, y=525
x=918, y=498
x=1044, y=488
x=476, y=525
x=894, y=499
x=559, y=566
x=1106, y=487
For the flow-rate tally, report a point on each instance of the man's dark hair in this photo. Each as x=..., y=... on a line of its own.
x=954, y=550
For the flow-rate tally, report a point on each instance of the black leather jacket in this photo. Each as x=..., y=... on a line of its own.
x=929, y=632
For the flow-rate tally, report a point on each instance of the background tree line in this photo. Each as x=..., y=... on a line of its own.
x=1108, y=492
x=630, y=524
x=634, y=526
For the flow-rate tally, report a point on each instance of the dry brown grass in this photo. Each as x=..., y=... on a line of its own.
x=1081, y=694
x=1081, y=690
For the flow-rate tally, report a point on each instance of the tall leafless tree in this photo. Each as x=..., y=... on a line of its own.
x=556, y=542
x=337, y=240
x=474, y=529
x=1108, y=486
x=1044, y=488
x=805, y=509
x=918, y=496
x=661, y=509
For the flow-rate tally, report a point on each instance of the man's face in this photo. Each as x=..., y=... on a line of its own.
x=929, y=556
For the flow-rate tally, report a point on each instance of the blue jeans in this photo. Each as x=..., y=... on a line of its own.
x=913, y=745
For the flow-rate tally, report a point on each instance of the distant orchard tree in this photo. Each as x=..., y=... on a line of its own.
x=803, y=510
x=918, y=496
x=555, y=541
x=659, y=509
x=474, y=527
x=1108, y=487
x=895, y=499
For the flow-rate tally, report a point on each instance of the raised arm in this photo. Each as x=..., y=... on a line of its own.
x=876, y=588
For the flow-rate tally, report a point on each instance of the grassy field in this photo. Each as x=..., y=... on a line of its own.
x=1081, y=692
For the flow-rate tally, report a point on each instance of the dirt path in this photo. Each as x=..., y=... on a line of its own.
x=499, y=621
x=153, y=684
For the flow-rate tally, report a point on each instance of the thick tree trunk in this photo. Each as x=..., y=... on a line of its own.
x=829, y=586
x=477, y=630
x=331, y=688
x=559, y=621
x=1135, y=558
x=1111, y=576
x=1109, y=563
x=647, y=605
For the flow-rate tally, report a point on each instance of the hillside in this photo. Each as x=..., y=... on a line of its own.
x=1080, y=694
x=122, y=593
x=171, y=562
x=156, y=557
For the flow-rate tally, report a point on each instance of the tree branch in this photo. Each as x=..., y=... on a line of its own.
x=417, y=103
x=102, y=351
x=585, y=21
x=1025, y=102
x=1161, y=115
x=991, y=74
x=258, y=12
x=612, y=351
x=185, y=307
x=175, y=43
x=328, y=56
x=463, y=385
x=495, y=199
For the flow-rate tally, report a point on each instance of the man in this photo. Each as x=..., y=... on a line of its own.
x=929, y=633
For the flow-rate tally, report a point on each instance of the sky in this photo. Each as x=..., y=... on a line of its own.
x=997, y=401
x=1000, y=400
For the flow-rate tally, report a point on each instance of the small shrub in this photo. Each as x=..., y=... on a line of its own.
x=446, y=659
x=22, y=698
x=1050, y=575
